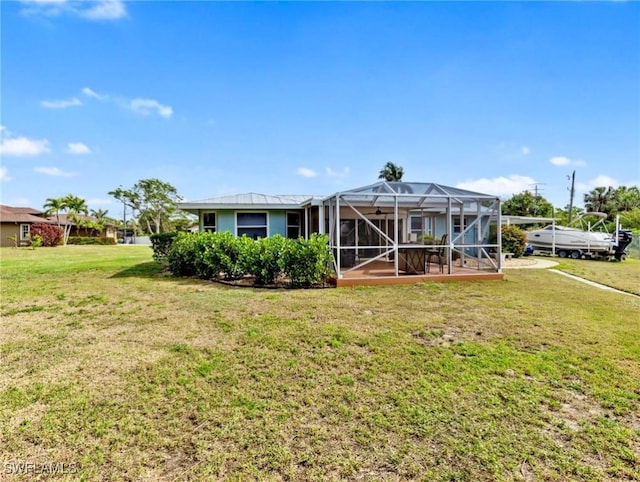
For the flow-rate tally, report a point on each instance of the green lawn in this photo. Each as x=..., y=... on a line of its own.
x=109, y=364
x=623, y=275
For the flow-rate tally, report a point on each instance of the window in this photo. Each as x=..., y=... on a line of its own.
x=253, y=225
x=457, y=228
x=293, y=225
x=209, y=222
x=419, y=225
x=25, y=231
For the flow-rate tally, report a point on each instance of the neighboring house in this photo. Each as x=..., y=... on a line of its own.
x=110, y=230
x=17, y=222
x=374, y=222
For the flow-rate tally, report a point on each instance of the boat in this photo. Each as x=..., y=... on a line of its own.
x=576, y=242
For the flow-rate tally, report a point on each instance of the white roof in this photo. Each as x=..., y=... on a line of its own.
x=526, y=220
x=250, y=200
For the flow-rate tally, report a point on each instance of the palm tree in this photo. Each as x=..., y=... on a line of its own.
x=599, y=199
x=99, y=213
x=391, y=172
x=54, y=206
x=101, y=219
x=75, y=207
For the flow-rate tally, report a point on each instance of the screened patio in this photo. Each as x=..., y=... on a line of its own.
x=412, y=230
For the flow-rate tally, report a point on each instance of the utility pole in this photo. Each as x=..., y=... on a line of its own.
x=573, y=181
x=124, y=223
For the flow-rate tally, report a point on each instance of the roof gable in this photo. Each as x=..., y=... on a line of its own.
x=10, y=214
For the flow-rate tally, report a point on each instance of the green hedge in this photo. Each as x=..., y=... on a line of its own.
x=85, y=240
x=304, y=262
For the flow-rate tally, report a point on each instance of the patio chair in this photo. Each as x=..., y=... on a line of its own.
x=439, y=252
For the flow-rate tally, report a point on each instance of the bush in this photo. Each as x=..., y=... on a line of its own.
x=228, y=251
x=91, y=240
x=263, y=258
x=514, y=240
x=307, y=262
x=211, y=255
x=160, y=244
x=182, y=254
x=49, y=234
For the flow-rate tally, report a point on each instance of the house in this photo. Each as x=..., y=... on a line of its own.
x=393, y=226
x=84, y=229
x=16, y=222
x=257, y=215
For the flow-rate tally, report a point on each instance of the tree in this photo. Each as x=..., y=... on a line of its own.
x=72, y=205
x=99, y=214
x=562, y=215
x=599, y=199
x=101, y=220
x=391, y=172
x=626, y=198
x=75, y=206
x=154, y=201
x=527, y=204
x=631, y=219
x=612, y=201
x=54, y=206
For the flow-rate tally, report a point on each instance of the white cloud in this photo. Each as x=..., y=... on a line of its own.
x=78, y=148
x=105, y=10
x=499, y=186
x=306, y=172
x=92, y=93
x=94, y=10
x=61, y=104
x=148, y=106
x=525, y=150
x=22, y=146
x=4, y=176
x=53, y=171
x=565, y=161
x=139, y=105
x=597, y=181
x=338, y=174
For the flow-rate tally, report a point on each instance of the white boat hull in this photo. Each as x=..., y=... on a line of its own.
x=570, y=239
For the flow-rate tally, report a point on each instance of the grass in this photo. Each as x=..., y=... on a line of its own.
x=109, y=364
x=623, y=275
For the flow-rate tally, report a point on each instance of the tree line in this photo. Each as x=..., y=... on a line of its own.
x=151, y=205
x=623, y=201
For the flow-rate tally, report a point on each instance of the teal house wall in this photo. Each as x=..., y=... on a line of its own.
x=277, y=223
x=226, y=221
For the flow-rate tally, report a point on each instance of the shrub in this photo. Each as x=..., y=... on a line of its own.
x=49, y=234
x=181, y=255
x=514, y=240
x=264, y=258
x=206, y=258
x=36, y=241
x=91, y=240
x=160, y=244
x=210, y=255
x=228, y=253
x=307, y=262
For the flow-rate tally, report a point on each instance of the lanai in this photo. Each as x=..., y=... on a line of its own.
x=392, y=221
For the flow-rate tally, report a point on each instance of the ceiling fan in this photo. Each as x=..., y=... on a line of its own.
x=379, y=212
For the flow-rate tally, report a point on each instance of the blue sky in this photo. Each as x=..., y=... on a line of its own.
x=312, y=98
